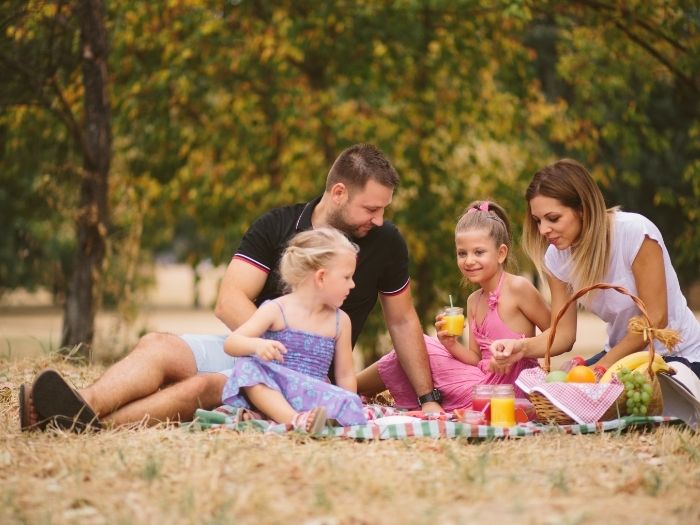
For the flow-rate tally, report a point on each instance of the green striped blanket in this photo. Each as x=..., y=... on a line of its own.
x=388, y=423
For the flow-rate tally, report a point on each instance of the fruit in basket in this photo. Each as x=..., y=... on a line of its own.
x=555, y=376
x=638, y=391
x=580, y=374
x=633, y=361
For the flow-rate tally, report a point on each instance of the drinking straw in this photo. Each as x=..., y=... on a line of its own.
x=451, y=305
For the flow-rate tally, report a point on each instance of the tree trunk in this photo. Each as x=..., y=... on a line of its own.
x=93, y=214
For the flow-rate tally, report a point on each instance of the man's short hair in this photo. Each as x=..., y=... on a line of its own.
x=359, y=163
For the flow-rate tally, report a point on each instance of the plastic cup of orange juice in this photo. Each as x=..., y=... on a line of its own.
x=453, y=316
x=503, y=406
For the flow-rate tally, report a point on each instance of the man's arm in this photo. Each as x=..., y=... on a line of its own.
x=241, y=284
x=407, y=335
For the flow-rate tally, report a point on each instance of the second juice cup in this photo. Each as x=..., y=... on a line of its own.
x=503, y=406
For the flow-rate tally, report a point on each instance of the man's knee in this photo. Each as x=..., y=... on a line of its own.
x=155, y=341
x=156, y=344
x=206, y=388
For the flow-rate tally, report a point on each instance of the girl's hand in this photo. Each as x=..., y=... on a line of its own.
x=269, y=350
x=447, y=340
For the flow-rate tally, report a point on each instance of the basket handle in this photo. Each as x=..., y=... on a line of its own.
x=581, y=293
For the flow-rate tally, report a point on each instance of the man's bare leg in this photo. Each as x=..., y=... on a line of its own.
x=177, y=402
x=369, y=382
x=157, y=360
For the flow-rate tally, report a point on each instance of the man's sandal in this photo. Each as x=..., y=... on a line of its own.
x=56, y=400
x=312, y=421
x=25, y=410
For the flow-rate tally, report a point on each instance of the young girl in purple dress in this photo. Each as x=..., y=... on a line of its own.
x=287, y=346
x=504, y=304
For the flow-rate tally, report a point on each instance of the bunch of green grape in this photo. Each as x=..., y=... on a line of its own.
x=638, y=391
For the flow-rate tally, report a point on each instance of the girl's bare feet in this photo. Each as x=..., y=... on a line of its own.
x=311, y=421
x=246, y=414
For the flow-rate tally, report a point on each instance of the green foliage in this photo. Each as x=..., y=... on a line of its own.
x=223, y=110
x=37, y=161
x=629, y=76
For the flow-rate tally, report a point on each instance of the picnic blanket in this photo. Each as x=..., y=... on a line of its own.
x=390, y=423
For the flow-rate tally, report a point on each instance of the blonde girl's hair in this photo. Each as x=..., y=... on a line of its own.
x=310, y=251
x=572, y=185
x=489, y=216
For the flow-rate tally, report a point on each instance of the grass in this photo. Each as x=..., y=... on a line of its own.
x=171, y=475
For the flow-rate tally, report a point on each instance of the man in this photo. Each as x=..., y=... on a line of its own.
x=168, y=376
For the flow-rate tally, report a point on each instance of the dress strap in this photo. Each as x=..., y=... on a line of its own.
x=284, y=317
x=500, y=282
x=337, y=323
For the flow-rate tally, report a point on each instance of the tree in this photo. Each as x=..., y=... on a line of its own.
x=43, y=46
x=628, y=76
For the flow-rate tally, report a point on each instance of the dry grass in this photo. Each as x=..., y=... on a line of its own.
x=173, y=476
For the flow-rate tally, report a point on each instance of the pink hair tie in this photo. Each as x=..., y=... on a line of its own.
x=484, y=206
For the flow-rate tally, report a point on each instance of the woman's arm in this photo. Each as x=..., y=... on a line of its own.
x=650, y=279
x=246, y=340
x=344, y=369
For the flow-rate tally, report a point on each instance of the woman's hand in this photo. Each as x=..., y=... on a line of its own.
x=504, y=354
x=270, y=350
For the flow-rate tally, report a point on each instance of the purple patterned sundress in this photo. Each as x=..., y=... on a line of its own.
x=301, y=378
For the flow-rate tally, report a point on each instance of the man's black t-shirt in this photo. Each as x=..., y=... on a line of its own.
x=382, y=264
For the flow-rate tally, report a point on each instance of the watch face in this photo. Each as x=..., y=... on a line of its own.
x=433, y=395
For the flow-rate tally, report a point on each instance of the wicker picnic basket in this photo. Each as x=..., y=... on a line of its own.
x=544, y=408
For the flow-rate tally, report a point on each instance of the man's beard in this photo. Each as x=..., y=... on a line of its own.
x=337, y=219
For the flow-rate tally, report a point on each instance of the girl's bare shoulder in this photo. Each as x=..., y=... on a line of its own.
x=519, y=284
x=473, y=296
x=344, y=317
x=270, y=311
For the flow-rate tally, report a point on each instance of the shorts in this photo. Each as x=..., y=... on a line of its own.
x=209, y=354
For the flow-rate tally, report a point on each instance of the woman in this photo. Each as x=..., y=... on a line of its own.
x=576, y=242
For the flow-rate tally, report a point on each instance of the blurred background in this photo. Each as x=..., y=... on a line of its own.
x=139, y=140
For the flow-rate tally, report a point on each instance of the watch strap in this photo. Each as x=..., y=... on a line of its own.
x=434, y=396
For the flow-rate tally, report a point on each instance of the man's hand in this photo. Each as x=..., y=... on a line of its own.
x=269, y=350
x=431, y=406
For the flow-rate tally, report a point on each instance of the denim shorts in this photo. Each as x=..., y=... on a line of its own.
x=209, y=354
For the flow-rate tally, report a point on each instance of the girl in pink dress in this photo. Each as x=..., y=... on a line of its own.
x=504, y=304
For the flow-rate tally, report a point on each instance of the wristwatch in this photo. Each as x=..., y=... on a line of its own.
x=433, y=395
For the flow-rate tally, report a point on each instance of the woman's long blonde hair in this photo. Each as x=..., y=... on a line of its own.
x=572, y=185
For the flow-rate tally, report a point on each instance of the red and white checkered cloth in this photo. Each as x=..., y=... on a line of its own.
x=582, y=402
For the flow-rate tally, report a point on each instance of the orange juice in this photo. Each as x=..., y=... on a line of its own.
x=503, y=406
x=454, y=320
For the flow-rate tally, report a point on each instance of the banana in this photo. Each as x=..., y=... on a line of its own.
x=655, y=366
x=631, y=362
